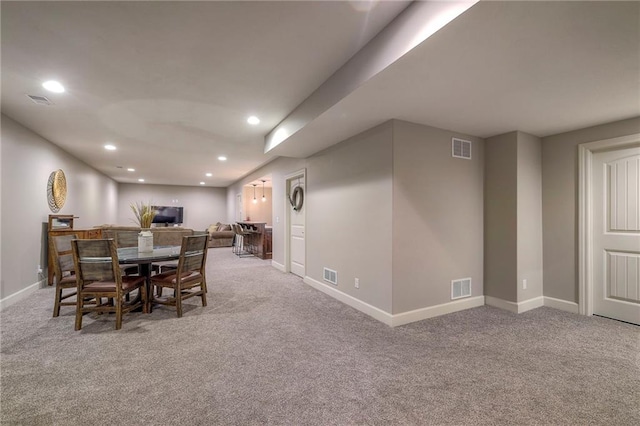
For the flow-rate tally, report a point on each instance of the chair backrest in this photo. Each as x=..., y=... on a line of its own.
x=96, y=260
x=193, y=254
x=239, y=229
x=127, y=238
x=60, y=247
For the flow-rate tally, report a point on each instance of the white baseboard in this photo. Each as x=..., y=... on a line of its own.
x=397, y=319
x=437, y=310
x=358, y=304
x=530, y=304
x=21, y=294
x=501, y=303
x=516, y=308
x=563, y=305
x=280, y=267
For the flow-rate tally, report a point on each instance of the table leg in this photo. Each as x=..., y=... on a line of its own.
x=145, y=271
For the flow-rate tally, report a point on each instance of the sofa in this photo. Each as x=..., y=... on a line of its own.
x=162, y=236
x=220, y=235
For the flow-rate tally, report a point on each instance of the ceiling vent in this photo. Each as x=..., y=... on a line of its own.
x=461, y=148
x=40, y=100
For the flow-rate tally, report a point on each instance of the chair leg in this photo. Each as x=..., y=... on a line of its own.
x=203, y=288
x=178, y=294
x=119, y=313
x=56, y=305
x=79, y=306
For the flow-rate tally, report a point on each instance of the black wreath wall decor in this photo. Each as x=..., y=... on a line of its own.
x=296, y=198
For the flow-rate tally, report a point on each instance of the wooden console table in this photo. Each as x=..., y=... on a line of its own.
x=261, y=238
x=63, y=225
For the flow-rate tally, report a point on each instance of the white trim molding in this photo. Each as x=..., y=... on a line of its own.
x=401, y=318
x=585, y=220
x=437, y=310
x=21, y=294
x=358, y=304
x=562, y=305
x=279, y=266
x=501, y=303
x=516, y=308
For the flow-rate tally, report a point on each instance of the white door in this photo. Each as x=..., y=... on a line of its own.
x=296, y=228
x=616, y=234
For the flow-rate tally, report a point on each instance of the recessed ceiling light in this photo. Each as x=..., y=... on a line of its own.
x=110, y=147
x=209, y=174
x=222, y=158
x=201, y=183
x=53, y=86
x=131, y=170
x=140, y=180
x=253, y=120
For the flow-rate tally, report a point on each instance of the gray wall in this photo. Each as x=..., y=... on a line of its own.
x=27, y=160
x=500, y=217
x=529, y=211
x=390, y=207
x=437, y=216
x=348, y=194
x=203, y=206
x=527, y=182
x=349, y=215
x=559, y=203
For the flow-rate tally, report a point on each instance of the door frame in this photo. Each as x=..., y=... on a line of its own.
x=586, y=151
x=287, y=218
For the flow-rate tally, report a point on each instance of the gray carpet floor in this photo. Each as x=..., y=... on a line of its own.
x=271, y=350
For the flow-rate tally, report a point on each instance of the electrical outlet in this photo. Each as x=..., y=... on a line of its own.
x=277, y=219
x=39, y=270
x=524, y=284
x=357, y=283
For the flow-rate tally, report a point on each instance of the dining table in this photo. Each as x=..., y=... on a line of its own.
x=131, y=255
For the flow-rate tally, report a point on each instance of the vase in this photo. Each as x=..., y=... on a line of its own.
x=145, y=241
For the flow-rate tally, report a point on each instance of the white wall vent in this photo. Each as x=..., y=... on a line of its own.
x=40, y=100
x=460, y=288
x=331, y=276
x=461, y=148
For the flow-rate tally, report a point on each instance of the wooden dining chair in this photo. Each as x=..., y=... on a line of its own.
x=127, y=239
x=188, y=279
x=64, y=270
x=98, y=275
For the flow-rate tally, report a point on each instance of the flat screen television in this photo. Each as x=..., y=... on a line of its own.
x=168, y=214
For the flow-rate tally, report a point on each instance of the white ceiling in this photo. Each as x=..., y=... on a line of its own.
x=172, y=83
x=538, y=67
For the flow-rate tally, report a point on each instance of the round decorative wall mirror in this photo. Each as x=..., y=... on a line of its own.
x=56, y=190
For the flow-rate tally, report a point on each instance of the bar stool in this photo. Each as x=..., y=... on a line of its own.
x=244, y=249
x=237, y=239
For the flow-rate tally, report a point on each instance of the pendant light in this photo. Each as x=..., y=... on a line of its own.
x=254, y=194
x=263, y=197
